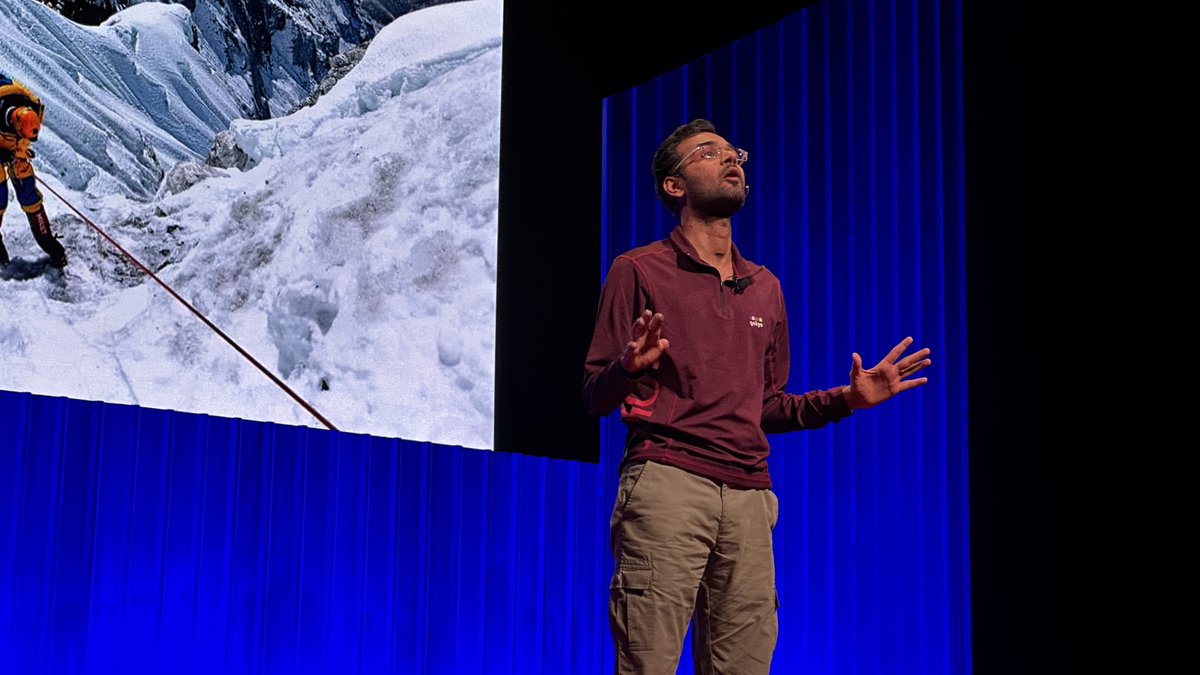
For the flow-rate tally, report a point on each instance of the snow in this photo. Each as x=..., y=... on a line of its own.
x=126, y=100
x=355, y=257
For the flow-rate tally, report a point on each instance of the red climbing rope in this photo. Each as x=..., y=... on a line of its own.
x=305, y=404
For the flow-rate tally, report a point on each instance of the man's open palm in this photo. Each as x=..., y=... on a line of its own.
x=871, y=386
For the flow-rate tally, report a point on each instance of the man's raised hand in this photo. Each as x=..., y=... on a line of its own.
x=647, y=345
x=872, y=386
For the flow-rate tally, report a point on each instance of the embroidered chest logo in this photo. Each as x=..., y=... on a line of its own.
x=756, y=321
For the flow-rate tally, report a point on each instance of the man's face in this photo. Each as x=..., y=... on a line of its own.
x=714, y=186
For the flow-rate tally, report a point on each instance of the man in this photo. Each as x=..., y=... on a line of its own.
x=20, y=123
x=691, y=341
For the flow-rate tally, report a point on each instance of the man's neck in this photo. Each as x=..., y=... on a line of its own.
x=712, y=239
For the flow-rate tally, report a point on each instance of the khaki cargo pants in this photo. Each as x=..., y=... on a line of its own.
x=690, y=549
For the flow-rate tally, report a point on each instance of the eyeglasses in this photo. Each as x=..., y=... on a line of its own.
x=713, y=152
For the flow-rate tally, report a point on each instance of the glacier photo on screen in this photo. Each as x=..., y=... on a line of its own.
x=319, y=178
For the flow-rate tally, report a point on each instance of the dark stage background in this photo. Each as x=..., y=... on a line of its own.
x=148, y=541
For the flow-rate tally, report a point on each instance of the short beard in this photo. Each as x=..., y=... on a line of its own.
x=722, y=202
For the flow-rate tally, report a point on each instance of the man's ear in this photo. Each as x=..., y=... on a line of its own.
x=673, y=186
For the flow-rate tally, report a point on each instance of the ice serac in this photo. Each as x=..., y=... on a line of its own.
x=152, y=83
x=282, y=48
x=125, y=101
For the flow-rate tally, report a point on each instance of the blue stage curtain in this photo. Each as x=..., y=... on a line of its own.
x=145, y=541
x=852, y=114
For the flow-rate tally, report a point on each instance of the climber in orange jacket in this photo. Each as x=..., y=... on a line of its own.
x=21, y=114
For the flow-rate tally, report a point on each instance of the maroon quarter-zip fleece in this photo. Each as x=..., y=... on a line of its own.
x=708, y=404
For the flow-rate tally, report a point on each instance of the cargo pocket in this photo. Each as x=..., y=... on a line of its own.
x=633, y=606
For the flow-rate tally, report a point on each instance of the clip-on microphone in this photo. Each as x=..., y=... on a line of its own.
x=738, y=285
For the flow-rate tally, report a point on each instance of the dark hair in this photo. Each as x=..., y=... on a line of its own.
x=666, y=157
